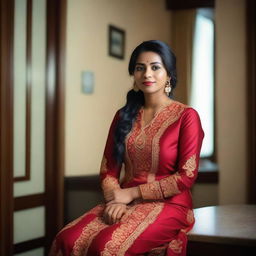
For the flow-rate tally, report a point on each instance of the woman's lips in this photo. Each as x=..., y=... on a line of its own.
x=148, y=83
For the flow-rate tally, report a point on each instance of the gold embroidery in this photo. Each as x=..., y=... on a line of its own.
x=89, y=232
x=171, y=117
x=128, y=175
x=142, y=144
x=138, y=218
x=151, y=190
x=159, y=251
x=176, y=245
x=140, y=141
x=139, y=149
x=103, y=167
x=109, y=183
x=186, y=230
x=191, y=220
x=97, y=210
x=169, y=185
x=190, y=217
x=190, y=166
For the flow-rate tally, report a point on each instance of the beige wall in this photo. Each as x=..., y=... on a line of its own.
x=231, y=99
x=88, y=116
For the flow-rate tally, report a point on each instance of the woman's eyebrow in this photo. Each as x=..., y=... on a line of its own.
x=152, y=63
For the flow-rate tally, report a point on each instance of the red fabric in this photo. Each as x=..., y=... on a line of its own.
x=162, y=159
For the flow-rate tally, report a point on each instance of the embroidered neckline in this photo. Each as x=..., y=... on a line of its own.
x=142, y=144
x=158, y=112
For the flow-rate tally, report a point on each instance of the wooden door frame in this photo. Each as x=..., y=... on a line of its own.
x=54, y=145
x=251, y=99
x=55, y=121
x=6, y=124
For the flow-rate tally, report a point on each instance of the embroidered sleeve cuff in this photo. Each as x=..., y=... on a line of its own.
x=169, y=185
x=151, y=191
x=109, y=183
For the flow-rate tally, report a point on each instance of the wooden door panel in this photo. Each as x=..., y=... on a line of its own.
x=32, y=124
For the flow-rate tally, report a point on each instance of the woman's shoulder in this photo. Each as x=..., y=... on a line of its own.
x=183, y=110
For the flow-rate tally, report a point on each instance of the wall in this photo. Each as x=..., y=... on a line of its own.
x=231, y=99
x=230, y=108
x=88, y=116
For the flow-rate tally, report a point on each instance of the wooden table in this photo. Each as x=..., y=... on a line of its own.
x=224, y=230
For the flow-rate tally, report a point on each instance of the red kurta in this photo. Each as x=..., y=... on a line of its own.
x=162, y=159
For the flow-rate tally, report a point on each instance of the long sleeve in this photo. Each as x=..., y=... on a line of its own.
x=110, y=170
x=189, y=146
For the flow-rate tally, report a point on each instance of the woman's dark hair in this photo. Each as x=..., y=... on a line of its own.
x=135, y=100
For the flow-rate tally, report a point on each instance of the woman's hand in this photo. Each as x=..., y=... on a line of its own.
x=113, y=213
x=122, y=196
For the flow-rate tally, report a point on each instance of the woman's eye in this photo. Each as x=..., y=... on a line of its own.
x=139, y=68
x=155, y=67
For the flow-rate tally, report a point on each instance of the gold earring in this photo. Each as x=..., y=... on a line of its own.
x=168, y=88
x=135, y=87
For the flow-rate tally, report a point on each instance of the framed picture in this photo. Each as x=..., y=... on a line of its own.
x=116, y=42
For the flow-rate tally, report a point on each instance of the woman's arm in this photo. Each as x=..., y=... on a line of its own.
x=109, y=176
x=190, y=141
x=124, y=196
x=110, y=169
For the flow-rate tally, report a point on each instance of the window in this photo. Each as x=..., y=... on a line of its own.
x=202, y=88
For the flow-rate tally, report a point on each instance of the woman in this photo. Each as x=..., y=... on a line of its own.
x=158, y=140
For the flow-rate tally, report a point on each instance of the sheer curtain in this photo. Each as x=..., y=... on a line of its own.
x=202, y=81
x=193, y=44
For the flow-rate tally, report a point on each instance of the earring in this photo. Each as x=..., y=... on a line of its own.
x=168, y=88
x=135, y=87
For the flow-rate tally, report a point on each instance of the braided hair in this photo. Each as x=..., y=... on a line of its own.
x=135, y=100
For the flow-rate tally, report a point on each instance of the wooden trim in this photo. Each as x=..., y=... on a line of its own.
x=187, y=4
x=91, y=183
x=251, y=99
x=28, y=92
x=26, y=202
x=29, y=85
x=195, y=248
x=55, y=73
x=82, y=184
x=6, y=126
x=208, y=177
x=29, y=245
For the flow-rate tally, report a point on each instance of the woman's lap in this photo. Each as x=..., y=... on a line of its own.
x=143, y=227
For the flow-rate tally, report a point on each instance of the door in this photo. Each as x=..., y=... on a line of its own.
x=32, y=124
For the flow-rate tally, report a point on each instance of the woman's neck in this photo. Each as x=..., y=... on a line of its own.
x=155, y=102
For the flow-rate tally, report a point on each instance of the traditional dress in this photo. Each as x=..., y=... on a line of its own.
x=162, y=159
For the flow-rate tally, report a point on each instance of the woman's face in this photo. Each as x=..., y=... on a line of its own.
x=150, y=74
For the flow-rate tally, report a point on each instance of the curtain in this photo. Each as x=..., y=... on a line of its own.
x=183, y=22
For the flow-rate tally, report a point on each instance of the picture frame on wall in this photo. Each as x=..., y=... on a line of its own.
x=116, y=42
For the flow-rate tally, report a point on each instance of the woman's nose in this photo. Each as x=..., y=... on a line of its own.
x=147, y=73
